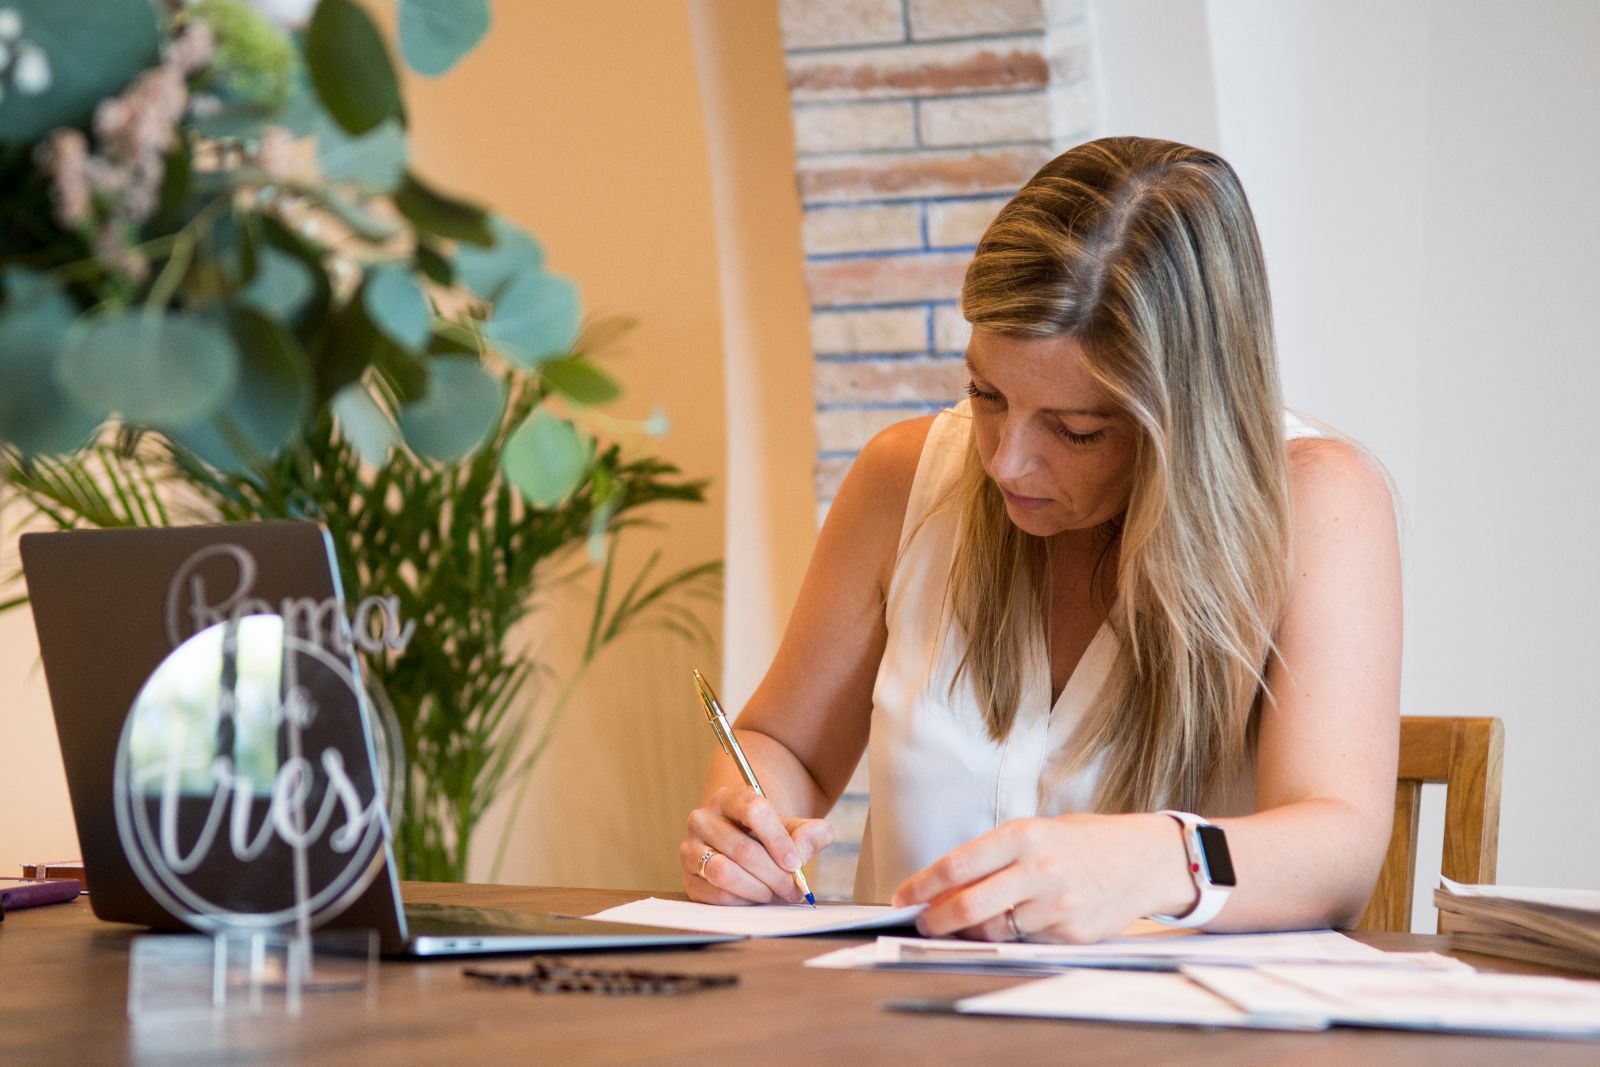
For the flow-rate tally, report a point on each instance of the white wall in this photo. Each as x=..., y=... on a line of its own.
x=1422, y=175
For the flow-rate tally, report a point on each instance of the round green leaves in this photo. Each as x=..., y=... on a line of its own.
x=77, y=57
x=349, y=66
x=546, y=458
x=397, y=305
x=35, y=412
x=536, y=318
x=150, y=367
x=266, y=410
x=457, y=413
x=435, y=34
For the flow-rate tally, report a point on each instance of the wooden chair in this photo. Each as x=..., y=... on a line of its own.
x=1465, y=754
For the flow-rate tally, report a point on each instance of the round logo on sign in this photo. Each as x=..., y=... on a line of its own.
x=247, y=793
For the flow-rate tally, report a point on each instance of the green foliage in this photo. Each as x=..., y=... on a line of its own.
x=433, y=212
x=397, y=306
x=435, y=34
x=462, y=405
x=155, y=367
x=376, y=159
x=267, y=409
x=463, y=551
x=281, y=285
x=535, y=318
x=209, y=322
x=349, y=65
x=34, y=411
x=580, y=380
x=485, y=269
x=89, y=57
x=546, y=458
x=255, y=63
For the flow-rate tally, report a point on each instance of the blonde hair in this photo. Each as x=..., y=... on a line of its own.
x=1146, y=253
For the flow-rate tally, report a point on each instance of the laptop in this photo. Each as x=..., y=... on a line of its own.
x=107, y=608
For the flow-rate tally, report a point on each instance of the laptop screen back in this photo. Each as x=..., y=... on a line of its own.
x=110, y=607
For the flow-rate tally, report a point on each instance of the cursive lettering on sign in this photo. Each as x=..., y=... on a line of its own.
x=374, y=626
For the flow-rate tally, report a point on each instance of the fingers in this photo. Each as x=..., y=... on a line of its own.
x=757, y=815
x=753, y=842
x=719, y=880
x=977, y=859
x=744, y=861
x=810, y=836
x=978, y=909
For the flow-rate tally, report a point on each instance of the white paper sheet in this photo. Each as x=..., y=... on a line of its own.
x=1477, y=1002
x=760, y=920
x=1122, y=996
x=1577, y=899
x=1164, y=949
x=1310, y=997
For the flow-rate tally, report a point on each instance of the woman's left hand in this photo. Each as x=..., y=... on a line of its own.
x=1072, y=878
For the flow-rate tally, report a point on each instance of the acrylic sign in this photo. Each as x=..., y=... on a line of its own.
x=248, y=792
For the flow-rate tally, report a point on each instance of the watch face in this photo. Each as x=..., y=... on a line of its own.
x=1214, y=852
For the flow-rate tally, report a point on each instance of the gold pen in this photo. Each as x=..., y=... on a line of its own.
x=730, y=745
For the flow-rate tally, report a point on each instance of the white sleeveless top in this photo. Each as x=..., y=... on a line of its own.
x=936, y=780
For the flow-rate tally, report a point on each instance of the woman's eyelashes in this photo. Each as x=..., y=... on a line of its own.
x=981, y=394
x=1080, y=438
x=988, y=397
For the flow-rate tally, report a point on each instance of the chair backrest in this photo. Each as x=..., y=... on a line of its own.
x=1465, y=754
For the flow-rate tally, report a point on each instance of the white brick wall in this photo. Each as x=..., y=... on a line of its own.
x=872, y=228
x=850, y=127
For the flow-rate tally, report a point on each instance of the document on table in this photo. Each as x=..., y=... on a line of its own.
x=1308, y=997
x=1573, y=899
x=759, y=920
x=1145, y=946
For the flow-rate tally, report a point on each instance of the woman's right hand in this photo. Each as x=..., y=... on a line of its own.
x=741, y=851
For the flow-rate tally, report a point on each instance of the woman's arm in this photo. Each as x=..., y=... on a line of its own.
x=805, y=727
x=1325, y=767
x=1328, y=746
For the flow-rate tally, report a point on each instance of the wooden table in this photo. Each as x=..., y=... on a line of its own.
x=64, y=979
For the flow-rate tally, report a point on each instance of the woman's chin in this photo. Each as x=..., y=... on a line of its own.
x=1036, y=521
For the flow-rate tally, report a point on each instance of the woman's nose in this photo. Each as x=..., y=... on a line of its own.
x=1013, y=453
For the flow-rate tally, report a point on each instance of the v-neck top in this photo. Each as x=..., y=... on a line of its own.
x=936, y=779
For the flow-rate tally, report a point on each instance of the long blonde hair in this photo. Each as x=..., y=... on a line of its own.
x=1146, y=253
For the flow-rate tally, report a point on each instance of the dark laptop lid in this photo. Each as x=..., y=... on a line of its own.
x=101, y=607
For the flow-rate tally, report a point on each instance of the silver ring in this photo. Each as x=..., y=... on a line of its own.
x=1016, y=931
x=705, y=858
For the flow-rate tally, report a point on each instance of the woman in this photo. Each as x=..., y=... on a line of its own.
x=1112, y=582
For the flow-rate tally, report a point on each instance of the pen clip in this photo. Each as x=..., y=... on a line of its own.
x=713, y=710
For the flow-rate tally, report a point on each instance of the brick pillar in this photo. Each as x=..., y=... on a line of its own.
x=914, y=121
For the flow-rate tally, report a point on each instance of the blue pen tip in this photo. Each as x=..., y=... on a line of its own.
x=811, y=898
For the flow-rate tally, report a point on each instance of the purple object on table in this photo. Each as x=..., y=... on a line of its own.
x=26, y=892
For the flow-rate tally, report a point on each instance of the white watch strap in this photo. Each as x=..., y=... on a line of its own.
x=1211, y=896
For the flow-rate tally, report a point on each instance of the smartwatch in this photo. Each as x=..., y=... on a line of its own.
x=1210, y=866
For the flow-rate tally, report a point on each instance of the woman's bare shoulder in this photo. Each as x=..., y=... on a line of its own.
x=1339, y=491
x=1325, y=471
x=864, y=520
x=888, y=464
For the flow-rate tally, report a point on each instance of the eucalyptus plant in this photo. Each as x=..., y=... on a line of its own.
x=226, y=294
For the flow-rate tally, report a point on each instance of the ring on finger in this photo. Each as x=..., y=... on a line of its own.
x=705, y=858
x=1017, y=933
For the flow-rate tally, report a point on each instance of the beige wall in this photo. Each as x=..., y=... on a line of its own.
x=36, y=819
x=582, y=123
x=648, y=146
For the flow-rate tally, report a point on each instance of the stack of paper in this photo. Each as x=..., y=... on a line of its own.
x=1555, y=927
x=761, y=920
x=1305, y=980
x=1308, y=997
x=1145, y=946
